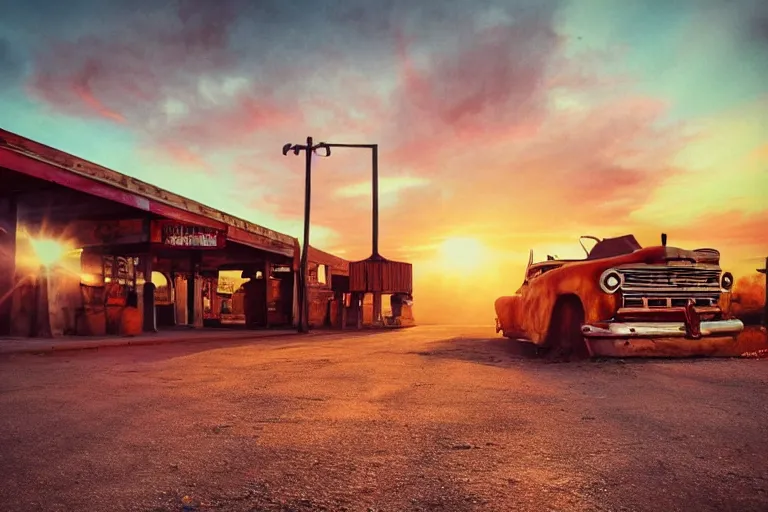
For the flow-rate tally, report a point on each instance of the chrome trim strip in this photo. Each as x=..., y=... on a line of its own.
x=659, y=329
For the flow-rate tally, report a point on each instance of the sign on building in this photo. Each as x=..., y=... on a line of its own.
x=186, y=236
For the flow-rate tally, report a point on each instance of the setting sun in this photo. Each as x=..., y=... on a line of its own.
x=467, y=253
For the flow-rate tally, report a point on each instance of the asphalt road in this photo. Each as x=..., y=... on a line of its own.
x=420, y=419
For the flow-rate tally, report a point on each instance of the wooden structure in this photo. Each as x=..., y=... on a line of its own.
x=377, y=275
x=126, y=230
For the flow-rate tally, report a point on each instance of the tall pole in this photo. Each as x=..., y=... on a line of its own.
x=375, y=202
x=309, y=149
x=303, y=289
x=375, y=226
x=304, y=294
x=765, y=305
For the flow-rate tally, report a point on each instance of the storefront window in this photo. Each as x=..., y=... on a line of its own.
x=321, y=274
x=162, y=288
x=108, y=269
x=119, y=278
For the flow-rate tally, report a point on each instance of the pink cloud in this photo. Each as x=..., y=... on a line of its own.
x=475, y=119
x=728, y=229
x=127, y=73
x=234, y=125
x=591, y=168
x=495, y=82
x=497, y=153
x=132, y=66
x=184, y=156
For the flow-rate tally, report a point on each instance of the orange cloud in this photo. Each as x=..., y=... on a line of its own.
x=387, y=185
x=729, y=229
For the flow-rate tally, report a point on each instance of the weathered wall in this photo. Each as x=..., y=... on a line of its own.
x=319, y=298
x=64, y=299
x=367, y=309
x=23, y=307
x=7, y=262
x=93, y=319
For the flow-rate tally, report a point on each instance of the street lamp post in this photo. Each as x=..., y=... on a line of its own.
x=308, y=149
x=765, y=305
x=374, y=189
x=375, y=212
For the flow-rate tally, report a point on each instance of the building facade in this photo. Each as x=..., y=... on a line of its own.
x=85, y=250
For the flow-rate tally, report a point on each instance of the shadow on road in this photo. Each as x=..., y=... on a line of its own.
x=489, y=351
x=502, y=352
x=184, y=348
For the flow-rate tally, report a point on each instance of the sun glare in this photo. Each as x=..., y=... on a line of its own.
x=464, y=252
x=47, y=251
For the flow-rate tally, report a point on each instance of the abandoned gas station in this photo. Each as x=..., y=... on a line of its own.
x=85, y=250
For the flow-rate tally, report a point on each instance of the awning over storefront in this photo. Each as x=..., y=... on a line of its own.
x=36, y=160
x=339, y=266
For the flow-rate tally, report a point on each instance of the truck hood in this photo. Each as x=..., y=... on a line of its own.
x=661, y=254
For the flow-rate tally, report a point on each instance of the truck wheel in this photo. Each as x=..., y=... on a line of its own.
x=565, y=338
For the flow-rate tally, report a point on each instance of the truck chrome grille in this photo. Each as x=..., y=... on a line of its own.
x=666, y=285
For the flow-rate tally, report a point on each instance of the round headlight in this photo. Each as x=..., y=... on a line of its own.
x=727, y=281
x=610, y=281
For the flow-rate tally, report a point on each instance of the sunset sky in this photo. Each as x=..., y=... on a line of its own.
x=503, y=125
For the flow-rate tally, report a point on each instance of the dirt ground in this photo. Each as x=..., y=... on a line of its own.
x=428, y=418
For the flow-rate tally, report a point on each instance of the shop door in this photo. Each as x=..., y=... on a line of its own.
x=211, y=300
x=182, y=298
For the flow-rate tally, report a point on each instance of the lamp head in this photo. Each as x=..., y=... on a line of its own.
x=322, y=146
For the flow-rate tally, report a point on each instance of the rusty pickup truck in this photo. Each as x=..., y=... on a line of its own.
x=624, y=300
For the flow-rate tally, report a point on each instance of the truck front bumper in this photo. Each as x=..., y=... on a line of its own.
x=660, y=329
x=661, y=339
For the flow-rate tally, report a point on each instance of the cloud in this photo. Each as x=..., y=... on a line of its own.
x=471, y=113
x=582, y=169
x=521, y=124
x=729, y=229
x=124, y=70
x=515, y=126
x=497, y=152
x=760, y=28
x=11, y=65
x=386, y=186
x=487, y=80
x=183, y=156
